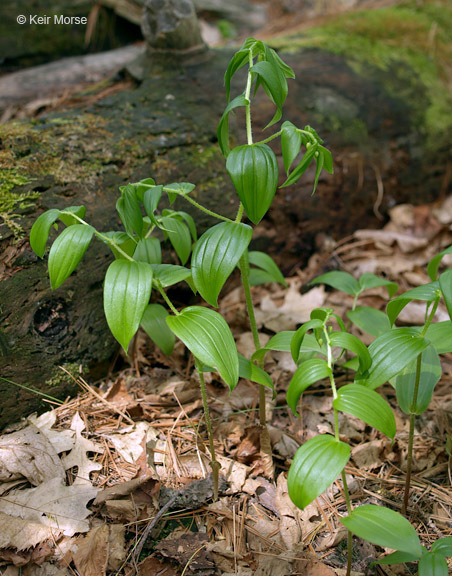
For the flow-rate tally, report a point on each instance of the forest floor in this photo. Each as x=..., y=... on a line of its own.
x=126, y=462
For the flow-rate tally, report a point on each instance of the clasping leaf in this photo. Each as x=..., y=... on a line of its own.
x=208, y=337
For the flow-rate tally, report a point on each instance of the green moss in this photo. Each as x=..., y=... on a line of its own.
x=61, y=377
x=411, y=41
x=10, y=201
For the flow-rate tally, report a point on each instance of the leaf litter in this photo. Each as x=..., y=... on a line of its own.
x=116, y=481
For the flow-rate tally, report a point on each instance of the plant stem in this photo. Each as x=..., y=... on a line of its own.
x=253, y=325
x=409, y=458
x=249, y=133
x=214, y=464
x=336, y=435
x=101, y=236
x=167, y=300
x=349, y=534
x=201, y=207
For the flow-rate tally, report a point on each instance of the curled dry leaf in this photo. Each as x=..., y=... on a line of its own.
x=28, y=454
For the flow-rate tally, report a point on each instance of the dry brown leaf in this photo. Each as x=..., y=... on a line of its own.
x=23, y=534
x=28, y=453
x=77, y=457
x=90, y=553
x=122, y=510
x=61, y=440
x=311, y=567
x=116, y=547
x=45, y=569
x=368, y=456
x=273, y=566
x=296, y=308
x=153, y=566
x=31, y=516
x=289, y=524
x=122, y=489
x=129, y=441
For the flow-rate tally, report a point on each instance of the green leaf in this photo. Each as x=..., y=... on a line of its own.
x=275, y=85
x=179, y=236
x=374, y=322
x=434, y=263
x=148, y=250
x=67, y=251
x=319, y=160
x=190, y=223
x=368, y=281
x=40, y=230
x=170, y=274
x=68, y=219
x=268, y=269
x=426, y=292
x=142, y=186
x=405, y=381
x=215, y=256
x=445, y=283
x=315, y=466
x=302, y=166
x=309, y=372
x=209, y=338
x=397, y=558
x=339, y=280
x=154, y=324
x=254, y=172
x=391, y=352
x=127, y=289
x=367, y=405
x=354, y=344
x=178, y=189
x=432, y=564
x=443, y=546
x=240, y=59
x=249, y=371
x=272, y=56
x=151, y=199
x=290, y=144
x=327, y=159
x=383, y=527
x=223, y=126
x=121, y=240
x=440, y=335
x=129, y=210
x=279, y=342
x=300, y=334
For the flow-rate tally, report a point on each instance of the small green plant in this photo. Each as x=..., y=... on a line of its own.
x=138, y=268
x=408, y=358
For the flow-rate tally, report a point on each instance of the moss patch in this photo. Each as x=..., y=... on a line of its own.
x=411, y=41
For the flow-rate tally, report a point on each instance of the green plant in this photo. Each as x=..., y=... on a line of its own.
x=408, y=358
x=138, y=268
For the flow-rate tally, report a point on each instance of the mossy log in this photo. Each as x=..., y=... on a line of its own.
x=379, y=121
